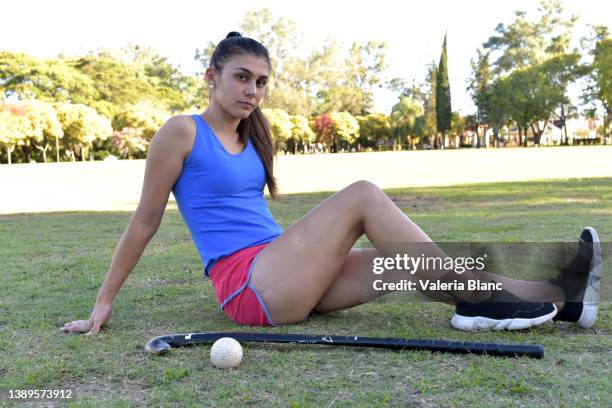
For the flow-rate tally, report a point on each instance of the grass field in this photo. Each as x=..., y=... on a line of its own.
x=53, y=264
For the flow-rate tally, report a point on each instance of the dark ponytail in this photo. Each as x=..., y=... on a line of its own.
x=256, y=125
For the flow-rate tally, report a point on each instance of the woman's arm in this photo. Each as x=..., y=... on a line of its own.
x=163, y=167
x=169, y=148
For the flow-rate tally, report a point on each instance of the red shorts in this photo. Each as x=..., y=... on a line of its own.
x=239, y=300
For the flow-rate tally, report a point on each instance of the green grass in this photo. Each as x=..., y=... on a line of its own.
x=53, y=264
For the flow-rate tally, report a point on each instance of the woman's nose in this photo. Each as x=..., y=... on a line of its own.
x=250, y=89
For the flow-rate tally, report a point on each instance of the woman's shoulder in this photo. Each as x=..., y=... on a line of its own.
x=181, y=129
x=181, y=125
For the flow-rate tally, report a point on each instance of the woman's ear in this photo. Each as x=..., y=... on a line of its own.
x=209, y=75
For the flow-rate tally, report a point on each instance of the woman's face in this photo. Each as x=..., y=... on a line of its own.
x=241, y=85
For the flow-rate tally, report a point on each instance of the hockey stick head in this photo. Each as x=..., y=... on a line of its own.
x=158, y=345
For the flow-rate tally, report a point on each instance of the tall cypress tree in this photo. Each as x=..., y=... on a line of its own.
x=443, y=97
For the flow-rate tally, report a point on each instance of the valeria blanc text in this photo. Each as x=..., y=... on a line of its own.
x=436, y=285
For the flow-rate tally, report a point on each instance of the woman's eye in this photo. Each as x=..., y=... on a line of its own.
x=261, y=83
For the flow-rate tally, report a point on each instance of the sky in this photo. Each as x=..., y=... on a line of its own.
x=413, y=30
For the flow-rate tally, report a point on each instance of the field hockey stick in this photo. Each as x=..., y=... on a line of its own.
x=162, y=344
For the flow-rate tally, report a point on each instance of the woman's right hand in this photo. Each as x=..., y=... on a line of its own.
x=100, y=315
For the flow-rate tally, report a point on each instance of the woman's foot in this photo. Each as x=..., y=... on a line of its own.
x=580, y=282
x=503, y=311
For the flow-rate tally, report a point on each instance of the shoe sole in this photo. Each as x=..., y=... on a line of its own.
x=590, y=303
x=475, y=323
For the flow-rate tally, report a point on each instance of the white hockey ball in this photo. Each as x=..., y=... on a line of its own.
x=226, y=353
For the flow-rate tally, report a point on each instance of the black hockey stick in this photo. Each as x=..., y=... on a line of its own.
x=162, y=344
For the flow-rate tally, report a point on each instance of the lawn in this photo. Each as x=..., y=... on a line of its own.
x=53, y=264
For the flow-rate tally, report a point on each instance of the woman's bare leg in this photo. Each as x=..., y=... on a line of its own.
x=352, y=288
x=295, y=271
x=297, y=268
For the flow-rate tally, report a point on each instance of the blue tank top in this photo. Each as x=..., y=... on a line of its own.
x=220, y=196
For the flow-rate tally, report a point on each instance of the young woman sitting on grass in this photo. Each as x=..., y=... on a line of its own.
x=217, y=164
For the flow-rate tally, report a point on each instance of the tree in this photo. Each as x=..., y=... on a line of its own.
x=152, y=79
x=301, y=133
x=531, y=100
x=480, y=89
x=599, y=80
x=324, y=126
x=316, y=77
x=14, y=127
x=458, y=126
x=602, y=69
x=374, y=129
x=443, y=96
x=81, y=126
x=129, y=143
x=527, y=53
x=345, y=129
x=26, y=77
x=561, y=70
x=178, y=91
x=429, y=125
x=346, y=83
x=46, y=128
x=116, y=82
x=365, y=65
x=280, y=126
x=404, y=115
x=497, y=100
x=525, y=42
x=147, y=116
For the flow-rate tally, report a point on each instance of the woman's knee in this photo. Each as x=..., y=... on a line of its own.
x=365, y=191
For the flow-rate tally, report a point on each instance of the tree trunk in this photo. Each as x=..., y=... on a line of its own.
x=26, y=151
x=82, y=152
x=536, y=134
x=57, y=151
x=477, y=124
x=43, y=150
x=564, y=139
x=606, y=120
x=439, y=141
x=9, y=153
